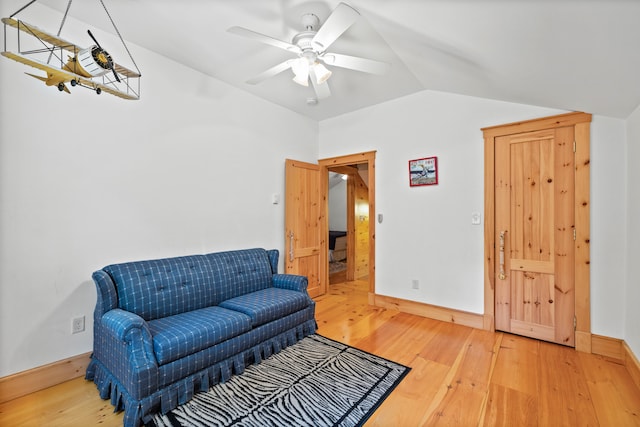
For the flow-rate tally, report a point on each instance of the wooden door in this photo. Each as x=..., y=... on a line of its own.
x=303, y=224
x=534, y=234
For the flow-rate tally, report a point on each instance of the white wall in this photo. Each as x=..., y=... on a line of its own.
x=338, y=206
x=632, y=297
x=608, y=226
x=427, y=233
x=86, y=181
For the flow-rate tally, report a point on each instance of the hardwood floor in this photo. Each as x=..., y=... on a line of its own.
x=337, y=278
x=468, y=377
x=460, y=376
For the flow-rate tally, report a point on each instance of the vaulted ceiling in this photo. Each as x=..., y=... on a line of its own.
x=567, y=54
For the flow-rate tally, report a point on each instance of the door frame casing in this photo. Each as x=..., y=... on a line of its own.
x=368, y=158
x=581, y=123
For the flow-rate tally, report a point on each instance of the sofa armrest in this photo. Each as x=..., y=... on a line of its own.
x=131, y=329
x=121, y=323
x=107, y=295
x=273, y=255
x=290, y=281
x=125, y=346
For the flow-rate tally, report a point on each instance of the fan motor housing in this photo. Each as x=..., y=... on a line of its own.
x=303, y=40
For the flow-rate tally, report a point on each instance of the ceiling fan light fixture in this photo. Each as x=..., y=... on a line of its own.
x=300, y=68
x=321, y=72
x=301, y=80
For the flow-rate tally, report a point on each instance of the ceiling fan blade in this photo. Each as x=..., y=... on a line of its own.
x=264, y=39
x=283, y=66
x=322, y=89
x=355, y=63
x=342, y=17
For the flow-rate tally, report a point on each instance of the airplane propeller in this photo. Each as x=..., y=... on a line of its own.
x=106, y=60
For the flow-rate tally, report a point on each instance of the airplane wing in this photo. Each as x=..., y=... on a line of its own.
x=108, y=89
x=122, y=71
x=59, y=42
x=42, y=35
x=60, y=75
x=40, y=65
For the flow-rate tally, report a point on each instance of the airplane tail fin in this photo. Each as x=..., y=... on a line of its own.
x=44, y=79
x=49, y=83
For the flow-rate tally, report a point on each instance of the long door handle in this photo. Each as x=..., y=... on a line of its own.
x=291, y=245
x=502, y=275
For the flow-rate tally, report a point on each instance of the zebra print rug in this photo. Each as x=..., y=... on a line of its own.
x=316, y=382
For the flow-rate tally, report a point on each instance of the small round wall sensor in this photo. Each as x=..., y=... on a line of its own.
x=312, y=101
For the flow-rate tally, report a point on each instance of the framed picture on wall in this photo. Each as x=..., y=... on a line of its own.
x=423, y=171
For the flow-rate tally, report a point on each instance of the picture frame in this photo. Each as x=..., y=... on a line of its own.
x=423, y=171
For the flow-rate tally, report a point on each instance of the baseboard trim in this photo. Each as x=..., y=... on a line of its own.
x=619, y=351
x=431, y=311
x=36, y=379
x=608, y=347
x=632, y=364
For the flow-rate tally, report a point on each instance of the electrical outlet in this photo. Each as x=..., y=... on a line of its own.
x=415, y=284
x=77, y=325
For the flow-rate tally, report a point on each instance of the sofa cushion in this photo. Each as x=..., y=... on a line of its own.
x=164, y=287
x=240, y=272
x=268, y=304
x=183, y=334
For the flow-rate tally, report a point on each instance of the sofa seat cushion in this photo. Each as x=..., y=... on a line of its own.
x=183, y=334
x=268, y=304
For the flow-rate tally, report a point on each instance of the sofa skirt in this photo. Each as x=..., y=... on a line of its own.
x=176, y=393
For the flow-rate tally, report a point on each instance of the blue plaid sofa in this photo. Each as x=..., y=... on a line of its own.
x=165, y=329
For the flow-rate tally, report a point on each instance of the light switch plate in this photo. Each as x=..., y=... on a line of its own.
x=476, y=218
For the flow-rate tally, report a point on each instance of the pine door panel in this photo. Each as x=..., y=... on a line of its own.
x=534, y=179
x=303, y=218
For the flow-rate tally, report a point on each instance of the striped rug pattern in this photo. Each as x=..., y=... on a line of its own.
x=316, y=382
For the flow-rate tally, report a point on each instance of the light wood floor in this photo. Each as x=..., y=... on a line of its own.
x=460, y=376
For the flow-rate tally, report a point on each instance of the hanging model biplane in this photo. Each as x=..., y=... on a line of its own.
x=90, y=67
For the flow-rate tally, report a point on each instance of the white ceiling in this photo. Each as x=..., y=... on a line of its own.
x=567, y=54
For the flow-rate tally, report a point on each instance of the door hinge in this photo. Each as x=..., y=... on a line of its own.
x=575, y=323
x=574, y=146
x=574, y=234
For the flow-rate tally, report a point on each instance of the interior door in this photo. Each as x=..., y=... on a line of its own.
x=303, y=224
x=535, y=232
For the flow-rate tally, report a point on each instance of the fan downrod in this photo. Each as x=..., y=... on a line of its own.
x=310, y=22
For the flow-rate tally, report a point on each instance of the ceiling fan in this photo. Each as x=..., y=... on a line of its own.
x=310, y=46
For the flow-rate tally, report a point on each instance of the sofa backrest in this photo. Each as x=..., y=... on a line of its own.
x=159, y=288
x=240, y=272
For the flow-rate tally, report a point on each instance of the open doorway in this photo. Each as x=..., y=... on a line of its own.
x=348, y=217
x=350, y=204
